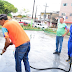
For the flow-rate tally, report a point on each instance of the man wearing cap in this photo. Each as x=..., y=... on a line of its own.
x=14, y=34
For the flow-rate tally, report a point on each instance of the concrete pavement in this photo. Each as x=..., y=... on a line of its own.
x=40, y=56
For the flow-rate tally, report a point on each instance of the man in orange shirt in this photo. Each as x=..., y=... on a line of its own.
x=14, y=32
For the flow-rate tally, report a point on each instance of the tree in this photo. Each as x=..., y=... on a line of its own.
x=6, y=7
x=1, y=7
x=9, y=14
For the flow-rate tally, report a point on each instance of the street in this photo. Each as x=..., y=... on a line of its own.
x=40, y=56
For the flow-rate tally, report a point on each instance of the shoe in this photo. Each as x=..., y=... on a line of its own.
x=68, y=59
x=58, y=53
x=70, y=62
x=55, y=53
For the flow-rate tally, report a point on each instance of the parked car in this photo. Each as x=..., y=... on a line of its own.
x=23, y=23
x=43, y=26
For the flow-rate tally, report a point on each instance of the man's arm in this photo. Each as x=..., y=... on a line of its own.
x=7, y=40
x=7, y=43
x=66, y=32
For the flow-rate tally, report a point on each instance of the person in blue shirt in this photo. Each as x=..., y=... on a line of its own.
x=70, y=46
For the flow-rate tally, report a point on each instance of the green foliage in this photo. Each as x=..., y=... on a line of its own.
x=46, y=29
x=29, y=25
x=22, y=26
x=6, y=7
x=19, y=15
x=30, y=28
x=38, y=27
x=9, y=14
x=50, y=30
x=23, y=16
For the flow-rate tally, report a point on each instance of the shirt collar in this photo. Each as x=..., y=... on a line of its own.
x=6, y=21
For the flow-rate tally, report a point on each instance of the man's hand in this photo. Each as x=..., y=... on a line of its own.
x=3, y=50
x=63, y=35
x=7, y=43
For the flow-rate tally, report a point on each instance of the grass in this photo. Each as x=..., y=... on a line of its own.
x=31, y=28
x=0, y=26
x=48, y=30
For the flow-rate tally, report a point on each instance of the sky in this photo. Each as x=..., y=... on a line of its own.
x=53, y=5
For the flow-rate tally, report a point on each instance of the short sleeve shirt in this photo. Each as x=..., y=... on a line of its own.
x=5, y=32
x=15, y=32
x=61, y=29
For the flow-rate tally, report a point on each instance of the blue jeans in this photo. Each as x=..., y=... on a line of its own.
x=59, y=40
x=70, y=48
x=21, y=53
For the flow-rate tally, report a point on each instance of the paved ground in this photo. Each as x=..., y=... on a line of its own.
x=40, y=56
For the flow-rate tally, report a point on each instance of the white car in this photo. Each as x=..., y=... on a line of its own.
x=43, y=26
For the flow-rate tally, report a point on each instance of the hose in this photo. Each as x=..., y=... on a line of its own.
x=50, y=68
x=53, y=68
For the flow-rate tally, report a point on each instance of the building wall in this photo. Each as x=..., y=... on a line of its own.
x=42, y=15
x=66, y=9
x=53, y=15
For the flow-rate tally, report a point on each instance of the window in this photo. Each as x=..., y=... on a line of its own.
x=64, y=4
x=63, y=14
x=70, y=14
x=71, y=4
x=66, y=17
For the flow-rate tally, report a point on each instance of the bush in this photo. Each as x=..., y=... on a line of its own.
x=38, y=27
x=29, y=25
x=22, y=25
x=9, y=14
x=23, y=16
x=46, y=29
x=50, y=30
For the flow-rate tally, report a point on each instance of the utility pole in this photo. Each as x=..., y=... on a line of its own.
x=35, y=13
x=45, y=11
x=33, y=9
x=32, y=13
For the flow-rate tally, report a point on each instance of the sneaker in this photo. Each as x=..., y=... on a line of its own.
x=58, y=53
x=55, y=53
x=68, y=60
x=71, y=60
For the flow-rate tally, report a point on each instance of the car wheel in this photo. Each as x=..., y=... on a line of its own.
x=35, y=26
x=43, y=27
